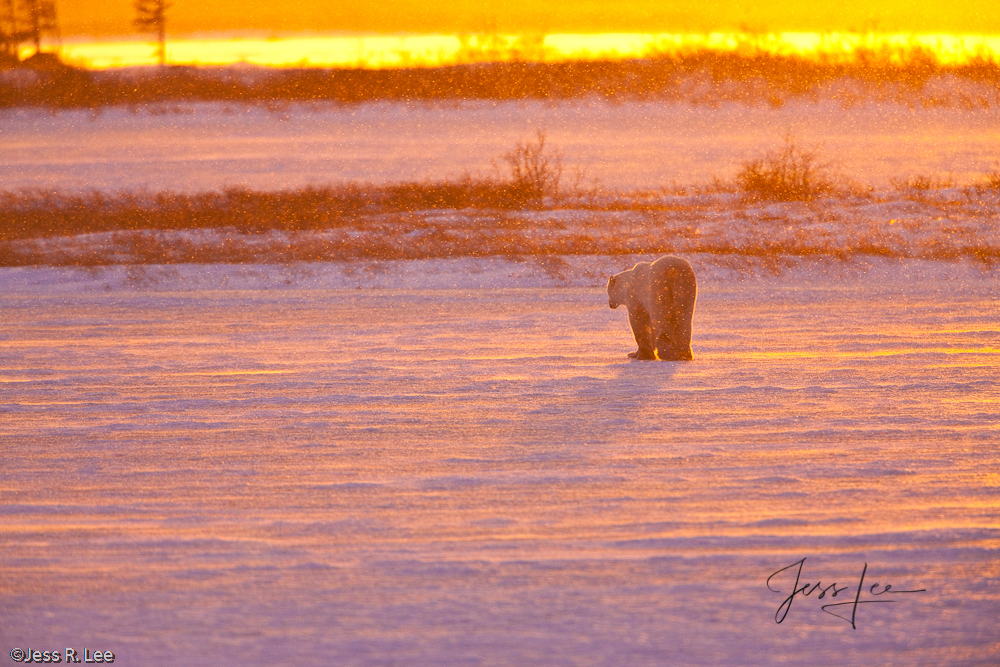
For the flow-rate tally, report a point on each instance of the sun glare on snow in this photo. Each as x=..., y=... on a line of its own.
x=395, y=51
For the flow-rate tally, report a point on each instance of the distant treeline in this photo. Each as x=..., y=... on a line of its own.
x=698, y=77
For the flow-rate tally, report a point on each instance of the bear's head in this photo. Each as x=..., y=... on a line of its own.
x=617, y=291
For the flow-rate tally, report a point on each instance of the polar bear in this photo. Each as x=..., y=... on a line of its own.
x=660, y=298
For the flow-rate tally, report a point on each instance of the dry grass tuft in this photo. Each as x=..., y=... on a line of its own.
x=790, y=173
x=920, y=183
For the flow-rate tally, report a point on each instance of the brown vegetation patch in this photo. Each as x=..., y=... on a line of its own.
x=479, y=218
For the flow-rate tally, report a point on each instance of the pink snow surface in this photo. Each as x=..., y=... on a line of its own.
x=625, y=146
x=457, y=465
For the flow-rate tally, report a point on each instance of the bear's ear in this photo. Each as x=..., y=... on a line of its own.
x=611, y=282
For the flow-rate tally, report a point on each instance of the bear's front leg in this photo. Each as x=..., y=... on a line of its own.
x=638, y=319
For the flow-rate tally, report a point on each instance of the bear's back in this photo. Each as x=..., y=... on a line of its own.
x=667, y=262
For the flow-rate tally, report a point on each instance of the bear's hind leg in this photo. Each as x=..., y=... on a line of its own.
x=668, y=349
x=638, y=319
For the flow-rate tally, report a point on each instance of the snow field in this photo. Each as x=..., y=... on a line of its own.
x=469, y=471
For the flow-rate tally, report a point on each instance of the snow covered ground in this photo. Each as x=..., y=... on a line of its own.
x=225, y=446
x=456, y=465
x=626, y=146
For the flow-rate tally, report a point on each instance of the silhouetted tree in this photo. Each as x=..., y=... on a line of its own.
x=41, y=15
x=151, y=16
x=23, y=21
x=11, y=34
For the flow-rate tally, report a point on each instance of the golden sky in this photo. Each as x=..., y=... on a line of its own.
x=113, y=18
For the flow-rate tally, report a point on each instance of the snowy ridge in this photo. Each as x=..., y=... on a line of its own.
x=938, y=225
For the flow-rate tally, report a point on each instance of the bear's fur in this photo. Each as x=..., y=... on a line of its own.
x=660, y=298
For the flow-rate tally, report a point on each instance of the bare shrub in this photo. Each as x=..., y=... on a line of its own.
x=988, y=184
x=790, y=173
x=992, y=179
x=534, y=172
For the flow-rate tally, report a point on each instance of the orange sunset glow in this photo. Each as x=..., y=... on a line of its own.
x=106, y=18
x=389, y=51
x=409, y=33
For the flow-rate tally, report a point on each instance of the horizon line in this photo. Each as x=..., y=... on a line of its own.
x=395, y=51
